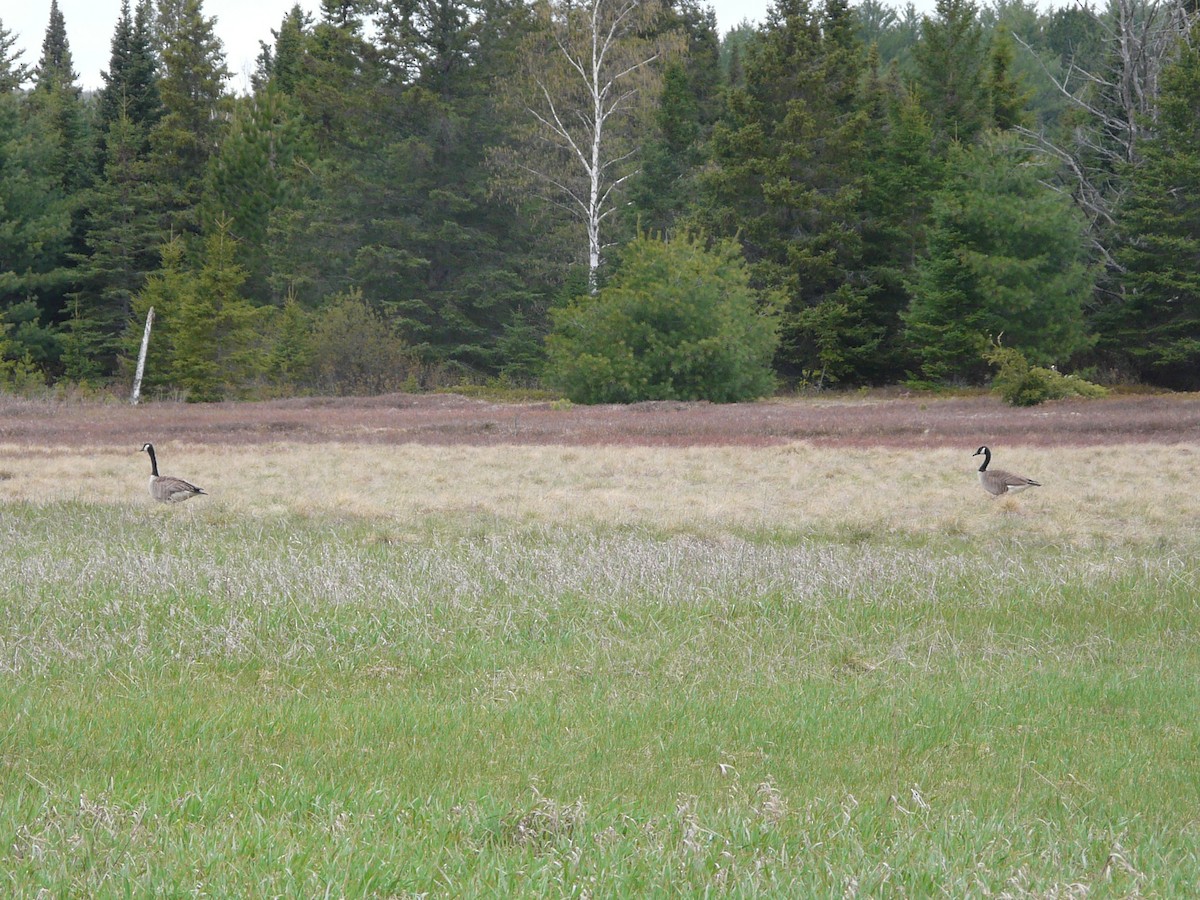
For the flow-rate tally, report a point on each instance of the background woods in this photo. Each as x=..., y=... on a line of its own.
x=417, y=192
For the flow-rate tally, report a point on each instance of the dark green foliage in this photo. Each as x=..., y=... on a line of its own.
x=787, y=179
x=675, y=322
x=207, y=337
x=1006, y=256
x=1156, y=322
x=355, y=351
x=250, y=176
x=13, y=73
x=1007, y=95
x=951, y=72
x=852, y=154
x=55, y=113
x=687, y=109
x=130, y=89
x=194, y=104
x=122, y=241
x=35, y=222
x=121, y=231
x=282, y=65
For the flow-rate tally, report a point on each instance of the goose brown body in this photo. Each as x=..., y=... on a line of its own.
x=167, y=488
x=998, y=481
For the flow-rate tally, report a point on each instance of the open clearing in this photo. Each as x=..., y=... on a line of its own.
x=416, y=646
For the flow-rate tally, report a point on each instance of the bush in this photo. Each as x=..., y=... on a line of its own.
x=355, y=352
x=676, y=322
x=1021, y=384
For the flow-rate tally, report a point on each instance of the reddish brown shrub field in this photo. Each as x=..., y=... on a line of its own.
x=908, y=421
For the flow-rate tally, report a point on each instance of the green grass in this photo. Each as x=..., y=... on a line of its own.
x=195, y=703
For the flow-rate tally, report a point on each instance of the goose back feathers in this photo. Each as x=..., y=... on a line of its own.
x=167, y=488
x=998, y=481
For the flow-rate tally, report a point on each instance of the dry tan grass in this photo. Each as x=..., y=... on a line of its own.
x=1144, y=492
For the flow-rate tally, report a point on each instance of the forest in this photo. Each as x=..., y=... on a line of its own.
x=608, y=198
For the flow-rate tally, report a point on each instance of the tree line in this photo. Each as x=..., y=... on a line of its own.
x=608, y=196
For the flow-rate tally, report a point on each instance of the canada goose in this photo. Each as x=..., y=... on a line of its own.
x=165, y=488
x=997, y=481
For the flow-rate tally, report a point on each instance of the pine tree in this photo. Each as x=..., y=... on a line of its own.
x=56, y=113
x=1006, y=258
x=663, y=187
x=121, y=230
x=13, y=73
x=1008, y=98
x=123, y=238
x=785, y=179
x=194, y=104
x=130, y=89
x=250, y=174
x=951, y=75
x=1156, y=323
x=35, y=217
x=57, y=103
x=282, y=64
x=902, y=174
x=214, y=328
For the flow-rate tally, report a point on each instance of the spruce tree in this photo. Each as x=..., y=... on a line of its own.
x=250, y=175
x=130, y=89
x=122, y=248
x=902, y=174
x=1156, y=322
x=213, y=329
x=951, y=73
x=786, y=179
x=194, y=105
x=56, y=112
x=1007, y=261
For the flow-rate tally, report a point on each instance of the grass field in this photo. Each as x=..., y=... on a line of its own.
x=392, y=671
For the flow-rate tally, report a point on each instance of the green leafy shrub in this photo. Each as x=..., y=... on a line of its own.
x=677, y=321
x=1021, y=384
x=355, y=352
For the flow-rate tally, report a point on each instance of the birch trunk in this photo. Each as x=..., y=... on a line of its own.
x=141, y=363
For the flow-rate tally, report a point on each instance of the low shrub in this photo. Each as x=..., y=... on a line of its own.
x=1021, y=384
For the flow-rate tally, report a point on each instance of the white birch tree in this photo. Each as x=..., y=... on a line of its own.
x=591, y=77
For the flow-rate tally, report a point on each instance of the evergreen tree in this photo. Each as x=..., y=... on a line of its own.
x=786, y=180
x=1008, y=99
x=13, y=73
x=688, y=106
x=121, y=230
x=55, y=111
x=165, y=288
x=35, y=217
x=676, y=321
x=130, y=89
x=283, y=64
x=1156, y=323
x=213, y=331
x=250, y=174
x=1006, y=258
x=950, y=69
x=122, y=248
x=194, y=104
x=902, y=174
x=664, y=185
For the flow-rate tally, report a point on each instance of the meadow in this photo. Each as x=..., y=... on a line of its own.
x=750, y=666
